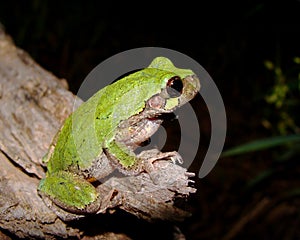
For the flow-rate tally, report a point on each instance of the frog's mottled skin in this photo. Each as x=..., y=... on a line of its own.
x=103, y=132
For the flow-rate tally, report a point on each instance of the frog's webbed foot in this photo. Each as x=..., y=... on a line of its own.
x=60, y=212
x=153, y=155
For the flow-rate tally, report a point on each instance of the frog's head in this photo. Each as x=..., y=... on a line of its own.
x=178, y=85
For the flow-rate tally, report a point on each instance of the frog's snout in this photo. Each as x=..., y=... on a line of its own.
x=194, y=80
x=191, y=88
x=192, y=83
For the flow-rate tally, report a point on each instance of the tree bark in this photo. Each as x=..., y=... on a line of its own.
x=33, y=105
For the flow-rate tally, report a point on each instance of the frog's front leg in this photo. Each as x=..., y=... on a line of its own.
x=70, y=192
x=129, y=135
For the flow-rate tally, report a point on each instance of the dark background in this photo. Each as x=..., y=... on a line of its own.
x=232, y=42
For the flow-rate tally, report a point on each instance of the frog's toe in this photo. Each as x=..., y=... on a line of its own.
x=176, y=157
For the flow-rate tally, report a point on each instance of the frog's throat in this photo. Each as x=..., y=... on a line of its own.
x=171, y=104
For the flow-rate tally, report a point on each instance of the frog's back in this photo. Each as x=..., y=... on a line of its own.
x=85, y=132
x=77, y=145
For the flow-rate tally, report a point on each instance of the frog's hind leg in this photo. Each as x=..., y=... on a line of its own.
x=69, y=192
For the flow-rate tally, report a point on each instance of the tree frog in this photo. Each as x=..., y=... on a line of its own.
x=104, y=132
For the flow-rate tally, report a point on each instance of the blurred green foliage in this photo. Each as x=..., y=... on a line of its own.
x=281, y=118
x=284, y=98
x=283, y=101
x=262, y=144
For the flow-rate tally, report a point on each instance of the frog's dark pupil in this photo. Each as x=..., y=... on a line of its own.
x=174, y=86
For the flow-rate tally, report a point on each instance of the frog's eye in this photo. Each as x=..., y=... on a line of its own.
x=174, y=86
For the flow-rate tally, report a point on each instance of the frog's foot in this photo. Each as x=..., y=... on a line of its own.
x=150, y=156
x=70, y=192
x=153, y=155
x=60, y=212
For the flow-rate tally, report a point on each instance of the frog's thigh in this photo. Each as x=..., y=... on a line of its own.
x=70, y=192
